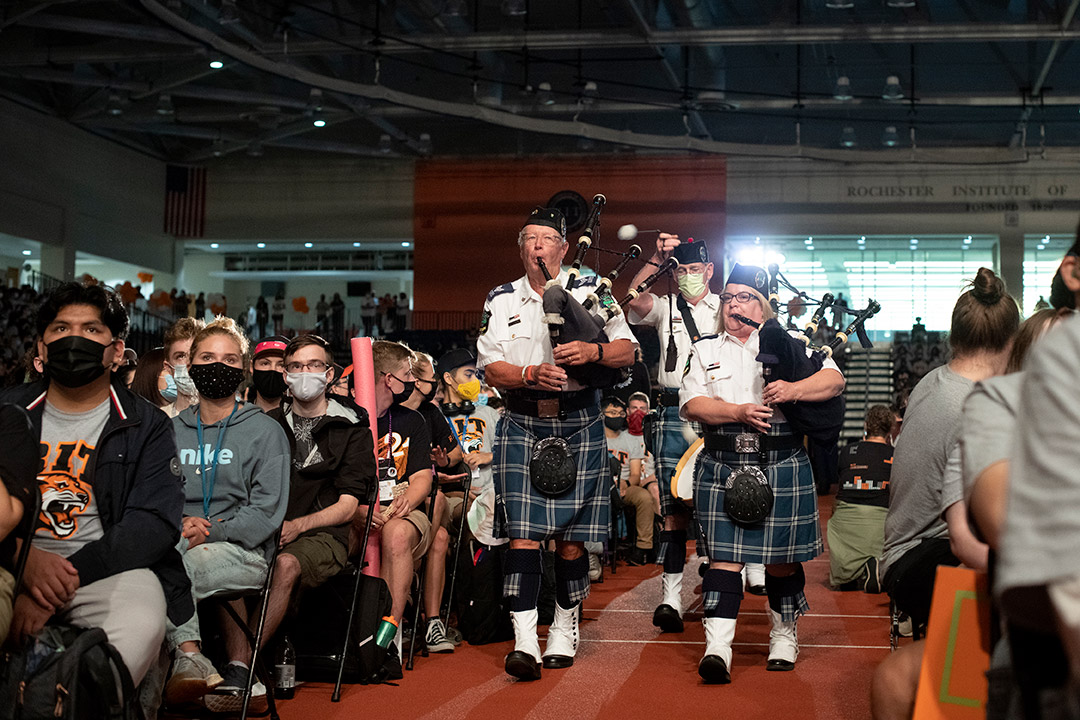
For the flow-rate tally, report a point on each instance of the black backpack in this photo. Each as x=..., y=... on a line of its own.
x=68, y=673
x=319, y=629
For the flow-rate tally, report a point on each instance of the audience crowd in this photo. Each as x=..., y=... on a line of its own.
x=215, y=459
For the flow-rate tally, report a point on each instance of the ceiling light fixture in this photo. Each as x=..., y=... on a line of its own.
x=808, y=241
x=424, y=146
x=229, y=13
x=27, y=253
x=165, y=105
x=900, y=3
x=114, y=106
x=842, y=91
x=589, y=93
x=810, y=247
x=315, y=101
x=356, y=244
x=216, y=62
x=544, y=96
x=1040, y=246
x=514, y=8
x=217, y=147
x=848, y=138
x=839, y=4
x=406, y=243
x=455, y=8
x=892, y=90
x=260, y=245
x=214, y=246
x=967, y=240
x=318, y=121
x=385, y=145
x=309, y=245
x=890, y=138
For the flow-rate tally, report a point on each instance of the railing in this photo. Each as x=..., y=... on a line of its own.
x=41, y=282
x=145, y=329
x=446, y=319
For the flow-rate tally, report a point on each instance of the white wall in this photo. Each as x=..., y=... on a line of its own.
x=69, y=189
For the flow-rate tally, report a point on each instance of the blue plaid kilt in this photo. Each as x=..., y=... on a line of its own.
x=790, y=533
x=522, y=513
x=670, y=444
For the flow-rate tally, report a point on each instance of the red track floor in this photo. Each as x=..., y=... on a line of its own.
x=626, y=669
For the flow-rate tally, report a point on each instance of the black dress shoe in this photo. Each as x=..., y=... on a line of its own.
x=667, y=619
x=778, y=665
x=522, y=665
x=713, y=670
x=557, y=662
x=756, y=589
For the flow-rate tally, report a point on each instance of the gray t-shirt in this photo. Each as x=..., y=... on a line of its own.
x=926, y=476
x=989, y=425
x=1042, y=527
x=626, y=447
x=476, y=433
x=69, y=515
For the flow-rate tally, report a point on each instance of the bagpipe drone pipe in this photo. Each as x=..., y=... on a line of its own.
x=569, y=320
x=783, y=357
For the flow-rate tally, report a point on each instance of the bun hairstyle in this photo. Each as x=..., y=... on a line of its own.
x=985, y=317
x=228, y=327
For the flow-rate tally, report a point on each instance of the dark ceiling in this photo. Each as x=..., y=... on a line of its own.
x=470, y=77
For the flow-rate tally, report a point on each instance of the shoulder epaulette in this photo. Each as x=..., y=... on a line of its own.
x=501, y=290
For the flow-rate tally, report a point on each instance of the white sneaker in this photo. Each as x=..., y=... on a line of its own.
x=562, y=639
x=783, y=643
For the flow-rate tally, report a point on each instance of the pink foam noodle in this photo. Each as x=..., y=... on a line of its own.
x=364, y=394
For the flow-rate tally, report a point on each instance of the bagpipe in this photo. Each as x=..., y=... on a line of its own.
x=783, y=357
x=569, y=320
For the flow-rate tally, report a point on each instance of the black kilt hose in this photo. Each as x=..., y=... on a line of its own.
x=522, y=513
x=789, y=534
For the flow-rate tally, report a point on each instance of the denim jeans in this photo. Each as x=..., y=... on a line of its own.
x=214, y=568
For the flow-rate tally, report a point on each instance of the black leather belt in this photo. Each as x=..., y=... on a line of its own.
x=667, y=397
x=751, y=443
x=539, y=404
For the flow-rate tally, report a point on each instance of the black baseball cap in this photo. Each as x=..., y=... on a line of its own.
x=454, y=359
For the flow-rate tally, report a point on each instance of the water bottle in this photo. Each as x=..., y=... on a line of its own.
x=285, y=671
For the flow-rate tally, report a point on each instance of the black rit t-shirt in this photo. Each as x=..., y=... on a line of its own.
x=864, y=473
x=403, y=438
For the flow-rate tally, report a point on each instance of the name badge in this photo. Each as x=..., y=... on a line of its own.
x=386, y=490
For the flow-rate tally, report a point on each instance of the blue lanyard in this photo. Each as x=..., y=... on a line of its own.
x=208, y=492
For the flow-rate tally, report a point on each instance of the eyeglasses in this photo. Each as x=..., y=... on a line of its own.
x=313, y=366
x=742, y=297
x=545, y=239
x=615, y=413
x=684, y=270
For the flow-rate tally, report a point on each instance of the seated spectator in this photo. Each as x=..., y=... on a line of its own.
x=153, y=381
x=236, y=463
x=637, y=407
x=268, y=373
x=404, y=455
x=927, y=523
x=445, y=454
x=629, y=451
x=103, y=550
x=125, y=371
x=333, y=467
x=473, y=423
x=856, y=529
x=177, y=344
x=18, y=479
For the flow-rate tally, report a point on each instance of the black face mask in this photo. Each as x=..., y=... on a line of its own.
x=430, y=394
x=216, y=380
x=75, y=361
x=269, y=383
x=406, y=393
x=615, y=424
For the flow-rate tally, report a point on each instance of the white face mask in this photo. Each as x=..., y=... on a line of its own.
x=184, y=383
x=306, y=386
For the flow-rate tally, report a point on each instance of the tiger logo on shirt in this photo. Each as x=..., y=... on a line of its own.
x=63, y=498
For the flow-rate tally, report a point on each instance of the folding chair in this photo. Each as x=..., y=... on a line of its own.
x=467, y=484
x=372, y=501
x=419, y=598
x=894, y=627
x=256, y=665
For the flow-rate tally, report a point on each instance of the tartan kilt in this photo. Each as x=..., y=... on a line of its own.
x=789, y=534
x=670, y=445
x=522, y=513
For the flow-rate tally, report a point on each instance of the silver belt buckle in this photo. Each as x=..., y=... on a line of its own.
x=747, y=443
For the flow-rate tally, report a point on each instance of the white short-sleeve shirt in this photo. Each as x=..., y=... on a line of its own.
x=723, y=368
x=706, y=314
x=513, y=328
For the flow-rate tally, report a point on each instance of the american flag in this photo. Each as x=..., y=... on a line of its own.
x=185, y=201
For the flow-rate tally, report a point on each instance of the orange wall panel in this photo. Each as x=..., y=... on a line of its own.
x=468, y=213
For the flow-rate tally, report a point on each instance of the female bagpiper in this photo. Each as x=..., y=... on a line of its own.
x=750, y=450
